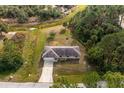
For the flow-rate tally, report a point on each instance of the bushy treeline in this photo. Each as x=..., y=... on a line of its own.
x=95, y=28
x=22, y=13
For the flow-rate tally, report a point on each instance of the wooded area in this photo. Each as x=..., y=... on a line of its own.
x=99, y=29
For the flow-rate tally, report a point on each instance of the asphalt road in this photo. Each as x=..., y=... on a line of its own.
x=24, y=85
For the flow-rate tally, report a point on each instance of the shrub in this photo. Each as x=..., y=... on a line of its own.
x=51, y=36
x=3, y=28
x=22, y=17
x=62, y=31
x=114, y=79
x=19, y=37
x=90, y=79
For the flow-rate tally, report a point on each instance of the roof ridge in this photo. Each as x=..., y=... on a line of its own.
x=45, y=53
x=77, y=51
x=54, y=52
x=62, y=46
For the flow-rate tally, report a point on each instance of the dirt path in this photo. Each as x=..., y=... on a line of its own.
x=55, y=29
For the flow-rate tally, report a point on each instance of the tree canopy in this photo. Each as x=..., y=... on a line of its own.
x=98, y=29
x=91, y=25
x=108, y=54
x=22, y=13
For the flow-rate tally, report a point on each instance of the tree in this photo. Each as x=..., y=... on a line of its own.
x=95, y=55
x=22, y=13
x=108, y=55
x=10, y=59
x=3, y=28
x=22, y=17
x=43, y=15
x=114, y=79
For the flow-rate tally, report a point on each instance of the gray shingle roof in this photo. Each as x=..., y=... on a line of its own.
x=50, y=54
x=61, y=51
x=65, y=52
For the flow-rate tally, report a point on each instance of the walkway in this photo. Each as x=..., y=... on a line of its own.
x=47, y=72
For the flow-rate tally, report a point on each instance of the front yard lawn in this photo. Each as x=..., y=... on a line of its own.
x=70, y=78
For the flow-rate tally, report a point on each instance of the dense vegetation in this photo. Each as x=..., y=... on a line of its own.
x=91, y=25
x=92, y=28
x=11, y=58
x=99, y=29
x=114, y=79
x=22, y=13
x=3, y=28
x=109, y=53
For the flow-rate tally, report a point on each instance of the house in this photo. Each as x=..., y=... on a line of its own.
x=56, y=53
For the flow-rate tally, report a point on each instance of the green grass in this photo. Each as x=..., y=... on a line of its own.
x=70, y=78
x=89, y=78
x=73, y=78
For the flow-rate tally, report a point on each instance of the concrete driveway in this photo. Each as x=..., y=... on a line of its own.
x=47, y=72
